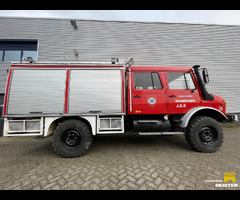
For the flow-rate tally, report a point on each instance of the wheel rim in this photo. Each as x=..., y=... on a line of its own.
x=71, y=138
x=208, y=135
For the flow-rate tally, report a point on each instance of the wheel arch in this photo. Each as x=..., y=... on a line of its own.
x=52, y=122
x=202, y=111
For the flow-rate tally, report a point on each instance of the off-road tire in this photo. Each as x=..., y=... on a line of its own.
x=204, y=134
x=72, y=138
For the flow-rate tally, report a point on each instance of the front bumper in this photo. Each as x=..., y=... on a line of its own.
x=232, y=118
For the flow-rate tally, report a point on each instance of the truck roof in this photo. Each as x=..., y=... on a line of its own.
x=99, y=65
x=160, y=68
x=65, y=65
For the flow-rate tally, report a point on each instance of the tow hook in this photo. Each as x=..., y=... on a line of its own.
x=232, y=118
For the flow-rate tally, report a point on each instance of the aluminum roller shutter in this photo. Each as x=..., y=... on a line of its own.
x=37, y=91
x=95, y=90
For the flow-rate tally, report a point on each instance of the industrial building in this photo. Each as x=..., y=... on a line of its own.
x=216, y=47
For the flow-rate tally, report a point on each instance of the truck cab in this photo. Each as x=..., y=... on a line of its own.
x=174, y=100
x=168, y=91
x=162, y=90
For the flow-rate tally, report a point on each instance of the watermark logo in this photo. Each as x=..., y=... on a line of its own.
x=229, y=180
x=229, y=176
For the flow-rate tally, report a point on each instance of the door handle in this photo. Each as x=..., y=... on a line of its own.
x=137, y=96
x=172, y=96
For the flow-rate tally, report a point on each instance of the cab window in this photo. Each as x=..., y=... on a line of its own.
x=180, y=81
x=147, y=81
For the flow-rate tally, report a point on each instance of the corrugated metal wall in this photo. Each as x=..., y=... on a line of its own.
x=171, y=44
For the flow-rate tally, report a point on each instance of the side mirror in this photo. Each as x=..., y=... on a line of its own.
x=205, y=76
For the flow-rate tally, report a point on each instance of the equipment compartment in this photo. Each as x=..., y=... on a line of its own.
x=18, y=127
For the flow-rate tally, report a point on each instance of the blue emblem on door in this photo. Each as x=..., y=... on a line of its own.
x=151, y=101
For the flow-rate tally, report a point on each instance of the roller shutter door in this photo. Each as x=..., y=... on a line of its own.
x=95, y=90
x=37, y=91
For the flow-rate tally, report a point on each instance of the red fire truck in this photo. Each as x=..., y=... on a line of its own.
x=73, y=102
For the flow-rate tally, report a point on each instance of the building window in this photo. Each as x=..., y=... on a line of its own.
x=16, y=50
x=12, y=55
x=32, y=54
x=1, y=55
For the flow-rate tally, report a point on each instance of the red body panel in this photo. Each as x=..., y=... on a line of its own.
x=6, y=92
x=66, y=92
x=218, y=103
x=149, y=101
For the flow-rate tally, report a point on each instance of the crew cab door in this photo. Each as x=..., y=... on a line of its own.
x=148, y=94
x=181, y=92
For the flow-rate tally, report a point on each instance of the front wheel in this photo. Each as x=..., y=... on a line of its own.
x=72, y=138
x=204, y=134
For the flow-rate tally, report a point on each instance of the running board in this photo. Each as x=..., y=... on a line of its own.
x=160, y=133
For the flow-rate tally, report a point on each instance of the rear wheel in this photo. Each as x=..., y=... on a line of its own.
x=204, y=134
x=72, y=138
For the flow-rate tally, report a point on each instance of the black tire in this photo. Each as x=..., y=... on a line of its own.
x=72, y=138
x=204, y=134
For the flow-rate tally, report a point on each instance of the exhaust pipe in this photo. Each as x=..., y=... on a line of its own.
x=206, y=95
